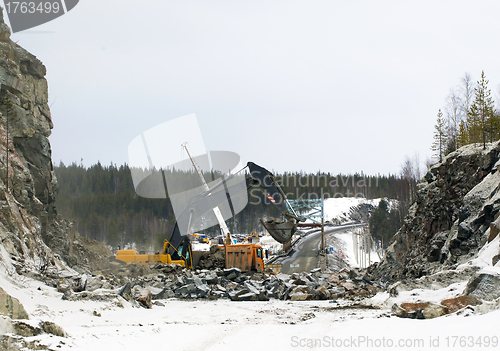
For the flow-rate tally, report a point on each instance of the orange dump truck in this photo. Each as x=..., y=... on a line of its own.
x=247, y=257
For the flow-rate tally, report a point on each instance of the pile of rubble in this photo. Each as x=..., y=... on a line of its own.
x=215, y=258
x=172, y=281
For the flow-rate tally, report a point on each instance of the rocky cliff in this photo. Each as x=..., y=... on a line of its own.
x=33, y=237
x=456, y=212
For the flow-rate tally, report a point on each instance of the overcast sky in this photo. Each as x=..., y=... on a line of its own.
x=337, y=86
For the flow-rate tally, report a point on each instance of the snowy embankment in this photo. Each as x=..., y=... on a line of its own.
x=339, y=208
x=348, y=254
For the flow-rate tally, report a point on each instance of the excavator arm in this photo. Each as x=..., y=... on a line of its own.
x=280, y=230
x=260, y=178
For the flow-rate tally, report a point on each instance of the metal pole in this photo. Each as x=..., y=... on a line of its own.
x=218, y=214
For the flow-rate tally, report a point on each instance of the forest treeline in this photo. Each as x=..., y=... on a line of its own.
x=469, y=117
x=102, y=201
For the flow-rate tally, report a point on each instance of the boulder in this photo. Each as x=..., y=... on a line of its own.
x=63, y=288
x=163, y=294
x=11, y=307
x=6, y=325
x=494, y=230
x=457, y=303
x=410, y=310
x=235, y=294
x=231, y=286
x=212, y=278
x=322, y=292
x=299, y=296
x=348, y=285
x=263, y=296
x=419, y=310
x=52, y=328
x=144, y=297
x=202, y=290
x=126, y=291
x=26, y=329
x=80, y=284
x=495, y=259
x=484, y=286
x=336, y=292
x=333, y=279
x=232, y=273
x=247, y=297
x=373, y=290
x=301, y=293
x=434, y=311
x=299, y=281
x=185, y=289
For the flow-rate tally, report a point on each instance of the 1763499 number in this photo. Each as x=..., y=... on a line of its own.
x=32, y=7
x=471, y=341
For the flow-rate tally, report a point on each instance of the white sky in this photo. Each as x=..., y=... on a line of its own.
x=338, y=86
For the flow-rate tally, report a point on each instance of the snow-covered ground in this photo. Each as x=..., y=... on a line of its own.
x=348, y=249
x=277, y=325
x=225, y=325
x=268, y=243
x=339, y=207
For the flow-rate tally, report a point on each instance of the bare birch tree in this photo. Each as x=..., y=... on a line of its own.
x=454, y=117
x=466, y=94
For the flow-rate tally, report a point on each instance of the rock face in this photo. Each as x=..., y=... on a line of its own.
x=11, y=307
x=457, y=204
x=28, y=216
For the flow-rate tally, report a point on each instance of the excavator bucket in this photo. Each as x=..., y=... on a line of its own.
x=281, y=231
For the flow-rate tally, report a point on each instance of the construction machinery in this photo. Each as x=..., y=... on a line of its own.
x=246, y=257
x=201, y=238
x=180, y=254
x=253, y=238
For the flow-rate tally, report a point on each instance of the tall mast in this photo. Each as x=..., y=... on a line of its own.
x=218, y=214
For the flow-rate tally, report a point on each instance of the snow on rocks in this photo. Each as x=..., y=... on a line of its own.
x=11, y=307
x=15, y=326
x=163, y=281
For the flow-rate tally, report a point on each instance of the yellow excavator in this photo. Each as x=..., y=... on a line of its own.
x=181, y=255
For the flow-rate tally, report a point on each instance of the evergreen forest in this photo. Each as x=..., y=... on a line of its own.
x=103, y=202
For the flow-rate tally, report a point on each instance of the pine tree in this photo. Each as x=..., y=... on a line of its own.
x=440, y=137
x=380, y=223
x=481, y=117
x=113, y=234
x=462, y=138
x=140, y=236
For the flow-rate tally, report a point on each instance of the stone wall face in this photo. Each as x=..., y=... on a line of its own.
x=28, y=186
x=457, y=203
